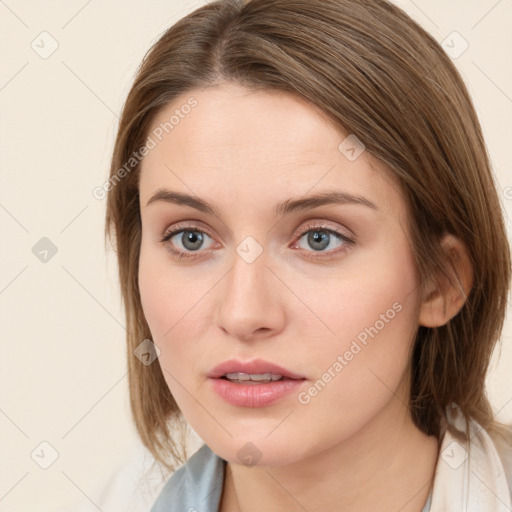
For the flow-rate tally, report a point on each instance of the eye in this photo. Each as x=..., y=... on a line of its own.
x=320, y=238
x=182, y=241
x=186, y=241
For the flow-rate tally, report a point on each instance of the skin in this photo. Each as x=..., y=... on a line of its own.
x=353, y=446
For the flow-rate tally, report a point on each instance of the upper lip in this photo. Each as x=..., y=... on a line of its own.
x=254, y=366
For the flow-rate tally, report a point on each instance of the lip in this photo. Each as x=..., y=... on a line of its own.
x=253, y=395
x=254, y=366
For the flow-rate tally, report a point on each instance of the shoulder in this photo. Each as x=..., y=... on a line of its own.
x=474, y=470
x=503, y=445
x=197, y=485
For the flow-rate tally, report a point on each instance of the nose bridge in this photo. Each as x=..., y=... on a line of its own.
x=249, y=299
x=248, y=279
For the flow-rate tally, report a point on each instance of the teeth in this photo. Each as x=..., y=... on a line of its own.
x=253, y=376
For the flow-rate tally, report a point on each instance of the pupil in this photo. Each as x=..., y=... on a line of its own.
x=192, y=240
x=316, y=238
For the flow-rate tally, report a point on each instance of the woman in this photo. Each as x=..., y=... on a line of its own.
x=314, y=263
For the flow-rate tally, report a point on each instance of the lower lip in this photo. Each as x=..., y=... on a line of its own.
x=255, y=395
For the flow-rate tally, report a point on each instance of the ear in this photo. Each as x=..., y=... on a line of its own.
x=444, y=301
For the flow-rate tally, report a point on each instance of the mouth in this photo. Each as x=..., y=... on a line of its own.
x=257, y=370
x=253, y=378
x=255, y=383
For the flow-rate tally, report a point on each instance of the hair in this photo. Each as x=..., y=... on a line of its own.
x=376, y=73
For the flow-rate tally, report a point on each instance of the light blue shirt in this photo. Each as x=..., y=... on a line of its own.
x=197, y=485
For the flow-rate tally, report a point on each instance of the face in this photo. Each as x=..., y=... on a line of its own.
x=250, y=267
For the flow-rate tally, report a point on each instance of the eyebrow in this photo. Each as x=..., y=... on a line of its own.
x=290, y=205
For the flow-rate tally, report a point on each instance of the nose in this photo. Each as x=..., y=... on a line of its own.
x=250, y=302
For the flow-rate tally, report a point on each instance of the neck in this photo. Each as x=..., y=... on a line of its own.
x=387, y=466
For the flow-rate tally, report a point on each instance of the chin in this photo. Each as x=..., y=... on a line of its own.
x=259, y=452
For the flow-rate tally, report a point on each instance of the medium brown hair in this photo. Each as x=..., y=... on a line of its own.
x=379, y=75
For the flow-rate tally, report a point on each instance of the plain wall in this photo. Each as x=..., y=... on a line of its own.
x=63, y=365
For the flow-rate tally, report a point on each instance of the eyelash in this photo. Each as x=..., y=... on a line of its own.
x=193, y=255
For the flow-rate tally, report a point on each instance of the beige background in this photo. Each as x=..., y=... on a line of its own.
x=62, y=365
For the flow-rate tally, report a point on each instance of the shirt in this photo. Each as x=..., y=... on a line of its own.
x=474, y=475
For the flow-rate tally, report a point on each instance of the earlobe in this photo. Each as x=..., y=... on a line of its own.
x=442, y=303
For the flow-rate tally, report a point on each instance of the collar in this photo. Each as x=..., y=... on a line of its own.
x=470, y=475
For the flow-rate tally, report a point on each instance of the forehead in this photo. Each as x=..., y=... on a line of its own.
x=232, y=119
x=264, y=143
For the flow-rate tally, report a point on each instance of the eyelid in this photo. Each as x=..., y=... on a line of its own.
x=323, y=225
x=184, y=226
x=301, y=230
x=308, y=226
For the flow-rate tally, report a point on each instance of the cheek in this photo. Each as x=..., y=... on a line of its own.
x=168, y=295
x=366, y=293
x=373, y=313
x=154, y=288
x=163, y=307
x=173, y=302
